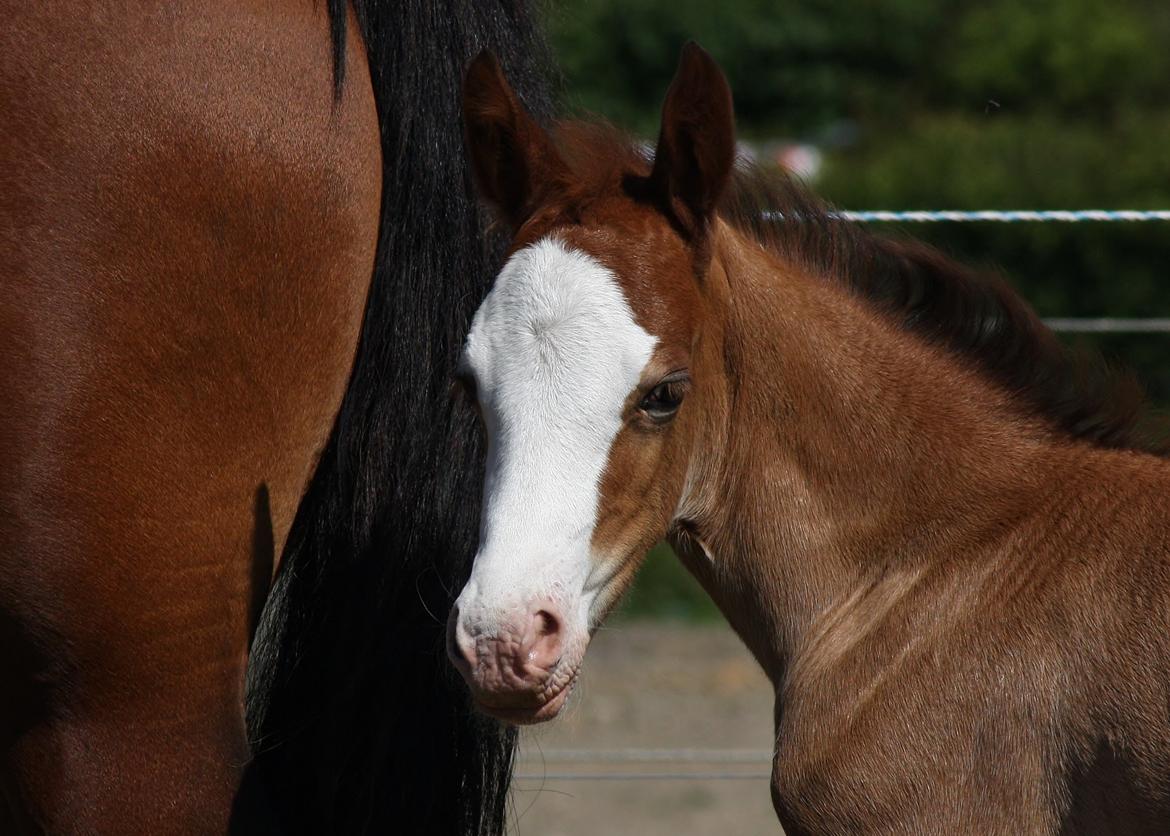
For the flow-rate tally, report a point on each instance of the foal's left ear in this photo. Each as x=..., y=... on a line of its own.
x=696, y=144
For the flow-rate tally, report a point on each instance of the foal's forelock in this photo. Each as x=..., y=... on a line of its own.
x=554, y=352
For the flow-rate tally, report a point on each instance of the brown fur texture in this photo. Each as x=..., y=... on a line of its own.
x=943, y=536
x=186, y=240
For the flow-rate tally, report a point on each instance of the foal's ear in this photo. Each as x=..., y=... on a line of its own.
x=512, y=156
x=696, y=144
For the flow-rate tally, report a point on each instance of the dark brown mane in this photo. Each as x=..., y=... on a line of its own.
x=974, y=314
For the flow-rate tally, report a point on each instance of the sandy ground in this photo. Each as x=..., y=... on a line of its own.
x=649, y=686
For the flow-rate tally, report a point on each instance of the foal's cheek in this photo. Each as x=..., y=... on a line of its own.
x=637, y=504
x=639, y=491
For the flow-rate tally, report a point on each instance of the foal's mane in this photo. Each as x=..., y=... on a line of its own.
x=974, y=314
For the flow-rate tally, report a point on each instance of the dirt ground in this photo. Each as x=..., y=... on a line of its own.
x=663, y=702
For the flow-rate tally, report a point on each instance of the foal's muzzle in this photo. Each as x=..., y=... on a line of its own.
x=515, y=670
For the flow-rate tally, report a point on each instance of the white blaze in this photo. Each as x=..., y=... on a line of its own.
x=555, y=352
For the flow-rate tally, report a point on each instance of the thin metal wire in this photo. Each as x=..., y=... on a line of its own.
x=1109, y=325
x=532, y=761
x=643, y=776
x=632, y=755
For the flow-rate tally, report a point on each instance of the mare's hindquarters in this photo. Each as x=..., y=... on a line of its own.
x=187, y=228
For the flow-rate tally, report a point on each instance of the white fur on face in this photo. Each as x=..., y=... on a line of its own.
x=555, y=352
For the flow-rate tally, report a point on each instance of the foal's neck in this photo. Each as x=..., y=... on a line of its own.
x=849, y=458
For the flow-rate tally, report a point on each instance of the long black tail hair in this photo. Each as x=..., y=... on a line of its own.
x=359, y=724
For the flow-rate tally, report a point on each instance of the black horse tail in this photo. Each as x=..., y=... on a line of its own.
x=358, y=722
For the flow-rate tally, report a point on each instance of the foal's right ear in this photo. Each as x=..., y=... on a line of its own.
x=696, y=143
x=512, y=157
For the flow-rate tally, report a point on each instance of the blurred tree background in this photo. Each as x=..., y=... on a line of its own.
x=930, y=104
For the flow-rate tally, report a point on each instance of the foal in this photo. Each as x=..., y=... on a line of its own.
x=942, y=536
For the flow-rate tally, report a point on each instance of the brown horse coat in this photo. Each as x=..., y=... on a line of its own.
x=187, y=230
x=942, y=534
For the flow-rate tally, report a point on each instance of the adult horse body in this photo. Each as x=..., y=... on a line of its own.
x=192, y=205
x=941, y=534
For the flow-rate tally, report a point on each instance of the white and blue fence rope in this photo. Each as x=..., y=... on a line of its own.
x=1003, y=216
x=1009, y=216
x=1093, y=325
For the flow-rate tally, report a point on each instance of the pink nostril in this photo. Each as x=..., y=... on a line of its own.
x=543, y=645
x=547, y=624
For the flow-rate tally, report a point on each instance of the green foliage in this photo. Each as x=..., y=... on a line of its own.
x=796, y=66
x=666, y=590
x=793, y=69
x=1037, y=161
x=933, y=104
x=1074, y=57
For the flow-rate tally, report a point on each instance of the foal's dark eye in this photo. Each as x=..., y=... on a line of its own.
x=663, y=401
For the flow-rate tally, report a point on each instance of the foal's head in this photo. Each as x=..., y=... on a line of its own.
x=587, y=363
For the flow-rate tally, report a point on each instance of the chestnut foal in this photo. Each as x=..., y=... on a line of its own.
x=941, y=536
